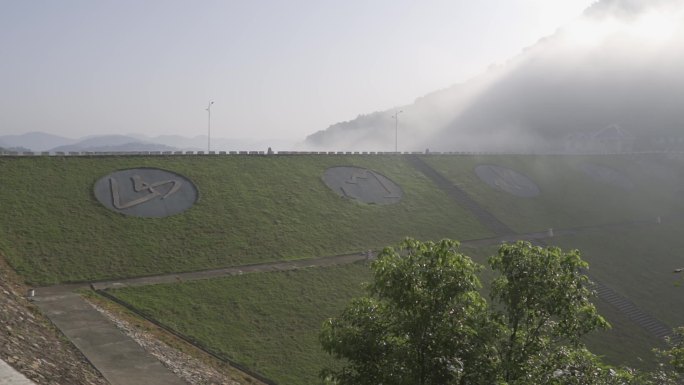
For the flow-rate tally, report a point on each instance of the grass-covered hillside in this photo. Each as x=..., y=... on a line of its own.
x=269, y=322
x=639, y=263
x=255, y=209
x=251, y=209
x=568, y=197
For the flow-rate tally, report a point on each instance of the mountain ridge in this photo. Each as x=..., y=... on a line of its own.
x=617, y=64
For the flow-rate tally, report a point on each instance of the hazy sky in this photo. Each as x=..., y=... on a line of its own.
x=275, y=69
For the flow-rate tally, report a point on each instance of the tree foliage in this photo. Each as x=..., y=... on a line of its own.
x=420, y=323
x=425, y=322
x=546, y=304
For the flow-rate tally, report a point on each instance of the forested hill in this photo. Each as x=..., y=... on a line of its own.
x=615, y=66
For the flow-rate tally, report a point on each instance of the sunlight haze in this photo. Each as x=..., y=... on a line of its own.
x=276, y=70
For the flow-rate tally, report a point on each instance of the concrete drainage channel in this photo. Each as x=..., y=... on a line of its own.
x=461, y=197
x=118, y=357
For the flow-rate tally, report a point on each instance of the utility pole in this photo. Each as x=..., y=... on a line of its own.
x=396, y=129
x=209, y=127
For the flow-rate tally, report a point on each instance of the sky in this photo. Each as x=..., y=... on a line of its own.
x=274, y=69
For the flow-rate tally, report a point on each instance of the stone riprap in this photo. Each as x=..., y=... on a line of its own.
x=606, y=175
x=507, y=180
x=146, y=192
x=363, y=185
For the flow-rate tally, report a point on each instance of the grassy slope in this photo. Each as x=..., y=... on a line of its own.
x=638, y=263
x=270, y=321
x=266, y=321
x=252, y=209
x=625, y=343
x=54, y=230
x=568, y=197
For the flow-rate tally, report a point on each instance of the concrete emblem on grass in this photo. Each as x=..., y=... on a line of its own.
x=507, y=180
x=606, y=175
x=146, y=192
x=363, y=185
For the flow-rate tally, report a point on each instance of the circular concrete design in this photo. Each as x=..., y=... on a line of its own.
x=606, y=175
x=363, y=185
x=507, y=180
x=146, y=192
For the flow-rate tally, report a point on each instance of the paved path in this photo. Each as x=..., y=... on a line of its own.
x=9, y=376
x=118, y=357
x=230, y=271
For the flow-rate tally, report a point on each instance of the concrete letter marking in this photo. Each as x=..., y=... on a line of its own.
x=390, y=194
x=362, y=184
x=138, y=186
x=353, y=179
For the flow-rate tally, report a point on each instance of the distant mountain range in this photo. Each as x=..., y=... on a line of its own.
x=618, y=65
x=35, y=141
x=111, y=143
x=40, y=141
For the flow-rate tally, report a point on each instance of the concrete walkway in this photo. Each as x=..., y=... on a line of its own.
x=230, y=271
x=9, y=376
x=120, y=359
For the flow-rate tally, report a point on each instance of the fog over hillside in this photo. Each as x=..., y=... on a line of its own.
x=40, y=141
x=609, y=81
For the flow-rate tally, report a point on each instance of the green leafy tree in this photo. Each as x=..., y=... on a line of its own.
x=425, y=322
x=546, y=305
x=421, y=323
x=671, y=370
x=675, y=355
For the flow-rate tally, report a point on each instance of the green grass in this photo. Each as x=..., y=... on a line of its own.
x=257, y=209
x=251, y=209
x=268, y=322
x=625, y=343
x=568, y=197
x=637, y=262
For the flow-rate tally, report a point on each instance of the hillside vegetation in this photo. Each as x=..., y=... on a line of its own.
x=269, y=322
x=255, y=209
x=251, y=209
x=568, y=197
